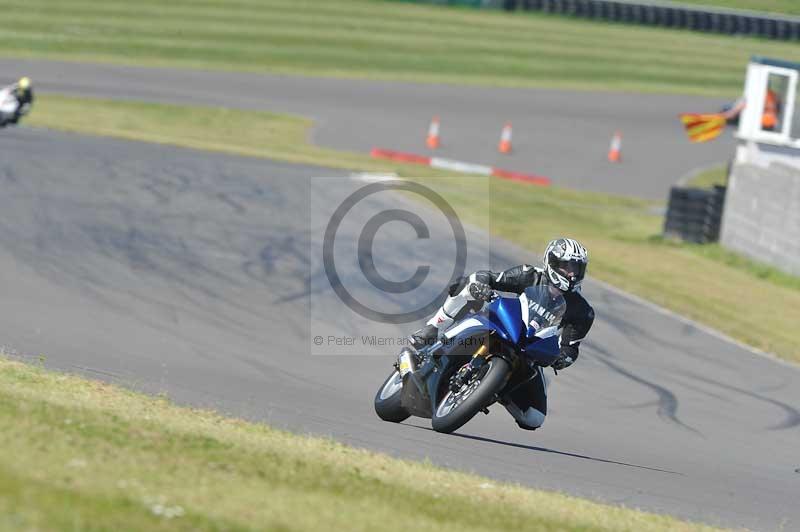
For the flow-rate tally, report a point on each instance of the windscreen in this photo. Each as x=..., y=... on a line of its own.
x=546, y=306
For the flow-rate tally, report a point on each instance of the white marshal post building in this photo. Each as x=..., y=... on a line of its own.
x=762, y=204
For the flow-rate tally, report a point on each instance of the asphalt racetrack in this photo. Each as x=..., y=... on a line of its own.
x=563, y=135
x=193, y=273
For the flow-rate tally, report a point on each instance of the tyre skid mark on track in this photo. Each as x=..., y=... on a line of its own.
x=642, y=337
x=699, y=327
x=792, y=413
x=667, y=400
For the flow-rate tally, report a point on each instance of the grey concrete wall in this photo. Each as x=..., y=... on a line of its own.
x=762, y=214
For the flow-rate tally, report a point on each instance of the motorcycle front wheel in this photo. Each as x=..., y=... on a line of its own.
x=457, y=408
x=387, y=400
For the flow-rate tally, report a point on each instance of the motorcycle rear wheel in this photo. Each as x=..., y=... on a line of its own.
x=456, y=409
x=387, y=400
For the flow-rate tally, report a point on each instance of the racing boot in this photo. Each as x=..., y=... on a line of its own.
x=424, y=337
x=454, y=306
x=409, y=355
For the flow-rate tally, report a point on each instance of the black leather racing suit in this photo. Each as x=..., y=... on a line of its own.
x=527, y=401
x=24, y=103
x=578, y=316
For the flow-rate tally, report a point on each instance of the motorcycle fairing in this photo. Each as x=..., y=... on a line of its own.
x=503, y=316
x=506, y=314
x=468, y=327
x=8, y=104
x=420, y=388
x=544, y=349
x=415, y=397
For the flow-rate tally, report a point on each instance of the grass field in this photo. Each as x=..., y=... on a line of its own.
x=622, y=233
x=378, y=39
x=717, y=175
x=82, y=455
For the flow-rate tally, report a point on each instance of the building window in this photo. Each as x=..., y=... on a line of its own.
x=772, y=114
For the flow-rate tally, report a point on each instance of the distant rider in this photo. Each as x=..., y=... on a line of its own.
x=564, y=267
x=15, y=101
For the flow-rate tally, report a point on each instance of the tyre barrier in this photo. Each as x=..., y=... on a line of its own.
x=704, y=19
x=694, y=214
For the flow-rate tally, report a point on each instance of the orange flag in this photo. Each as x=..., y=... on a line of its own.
x=702, y=128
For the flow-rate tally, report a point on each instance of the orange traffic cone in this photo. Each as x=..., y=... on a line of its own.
x=615, y=150
x=433, y=134
x=505, y=139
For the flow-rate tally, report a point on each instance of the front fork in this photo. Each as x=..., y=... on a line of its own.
x=468, y=370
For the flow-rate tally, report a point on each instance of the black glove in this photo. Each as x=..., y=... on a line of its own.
x=481, y=291
x=563, y=361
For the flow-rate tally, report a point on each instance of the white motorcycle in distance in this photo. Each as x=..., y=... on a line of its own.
x=15, y=102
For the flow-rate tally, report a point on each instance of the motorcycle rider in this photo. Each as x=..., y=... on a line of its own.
x=22, y=92
x=564, y=267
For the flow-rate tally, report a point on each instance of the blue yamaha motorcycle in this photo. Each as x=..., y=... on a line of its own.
x=476, y=363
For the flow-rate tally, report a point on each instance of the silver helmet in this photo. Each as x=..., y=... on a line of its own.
x=565, y=262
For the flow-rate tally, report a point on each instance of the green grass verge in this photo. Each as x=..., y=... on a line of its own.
x=378, y=39
x=82, y=455
x=698, y=282
x=718, y=175
x=757, y=270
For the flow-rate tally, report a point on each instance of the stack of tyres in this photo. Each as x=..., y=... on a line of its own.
x=656, y=13
x=694, y=215
x=669, y=14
